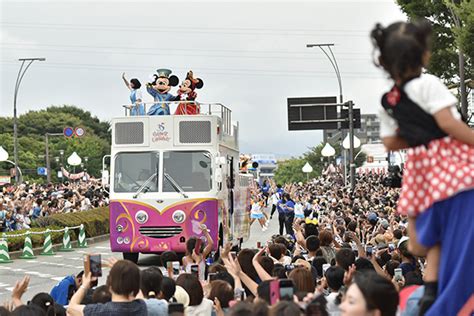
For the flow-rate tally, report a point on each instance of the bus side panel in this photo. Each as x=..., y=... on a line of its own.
x=160, y=233
x=242, y=211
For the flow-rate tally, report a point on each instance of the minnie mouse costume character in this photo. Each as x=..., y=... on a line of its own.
x=186, y=93
x=159, y=89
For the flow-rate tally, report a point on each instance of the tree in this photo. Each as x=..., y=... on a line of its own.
x=32, y=127
x=290, y=171
x=452, y=47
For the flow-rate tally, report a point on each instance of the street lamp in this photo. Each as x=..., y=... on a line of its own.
x=346, y=142
x=19, y=77
x=4, y=157
x=86, y=159
x=350, y=144
x=61, y=153
x=333, y=61
x=307, y=169
x=328, y=150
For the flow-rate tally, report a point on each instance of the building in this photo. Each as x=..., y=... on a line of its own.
x=368, y=133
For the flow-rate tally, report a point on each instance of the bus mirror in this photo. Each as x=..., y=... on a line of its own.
x=218, y=175
x=220, y=160
x=105, y=177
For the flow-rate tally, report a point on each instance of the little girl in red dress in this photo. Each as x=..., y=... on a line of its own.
x=419, y=114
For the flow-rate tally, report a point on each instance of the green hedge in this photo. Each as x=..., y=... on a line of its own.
x=16, y=243
x=96, y=223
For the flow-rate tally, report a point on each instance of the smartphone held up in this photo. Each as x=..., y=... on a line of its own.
x=93, y=264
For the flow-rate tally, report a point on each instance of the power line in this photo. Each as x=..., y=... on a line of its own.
x=214, y=71
x=187, y=49
x=194, y=29
x=138, y=53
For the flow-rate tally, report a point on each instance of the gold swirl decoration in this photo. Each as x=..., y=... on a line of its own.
x=197, y=215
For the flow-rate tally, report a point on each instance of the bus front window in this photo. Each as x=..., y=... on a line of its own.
x=136, y=169
x=191, y=170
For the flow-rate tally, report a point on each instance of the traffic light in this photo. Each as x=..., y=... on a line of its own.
x=355, y=116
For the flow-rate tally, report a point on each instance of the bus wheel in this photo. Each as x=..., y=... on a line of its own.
x=131, y=256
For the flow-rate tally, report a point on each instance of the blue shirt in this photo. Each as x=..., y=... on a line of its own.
x=290, y=204
x=135, y=308
x=36, y=212
x=61, y=291
x=280, y=209
x=265, y=188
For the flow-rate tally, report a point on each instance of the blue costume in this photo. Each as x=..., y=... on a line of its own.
x=137, y=109
x=159, y=108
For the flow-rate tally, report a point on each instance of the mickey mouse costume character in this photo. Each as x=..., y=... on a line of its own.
x=159, y=89
x=186, y=93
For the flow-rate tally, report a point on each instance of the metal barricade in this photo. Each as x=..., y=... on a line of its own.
x=213, y=108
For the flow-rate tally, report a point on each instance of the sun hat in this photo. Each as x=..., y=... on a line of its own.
x=303, y=263
x=181, y=296
x=402, y=240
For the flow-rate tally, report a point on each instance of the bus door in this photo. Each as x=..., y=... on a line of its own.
x=230, y=188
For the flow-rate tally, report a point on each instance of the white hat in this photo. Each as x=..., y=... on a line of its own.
x=181, y=296
x=403, y=239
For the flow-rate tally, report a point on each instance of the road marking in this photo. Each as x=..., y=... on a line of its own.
x=57, y=256
x=102, y=247
x=3, y=284
x=57, y=278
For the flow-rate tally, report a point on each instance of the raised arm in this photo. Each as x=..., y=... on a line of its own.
x=75, y=306
x=210, y=243
x=262, y=274
x=126, y=81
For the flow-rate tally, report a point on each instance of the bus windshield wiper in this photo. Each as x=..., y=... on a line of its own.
x=175, y=185
x=143, y=188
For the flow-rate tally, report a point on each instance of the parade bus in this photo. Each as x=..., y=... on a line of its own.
x=171, y=174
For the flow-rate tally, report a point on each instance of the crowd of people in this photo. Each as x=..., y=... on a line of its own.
x=24, y=203
x=348, y=255
x=375, y=250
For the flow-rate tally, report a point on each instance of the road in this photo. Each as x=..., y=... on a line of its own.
x=47, y=271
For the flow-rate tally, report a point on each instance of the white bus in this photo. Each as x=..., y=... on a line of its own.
x=171, y=174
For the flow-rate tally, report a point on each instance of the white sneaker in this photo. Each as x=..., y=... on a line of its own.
x=264, y=228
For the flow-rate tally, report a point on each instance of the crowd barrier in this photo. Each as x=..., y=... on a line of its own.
x=28, y=253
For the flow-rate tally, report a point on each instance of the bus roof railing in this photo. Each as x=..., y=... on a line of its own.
x=204, y=108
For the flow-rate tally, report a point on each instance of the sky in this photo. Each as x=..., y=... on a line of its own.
x=251, y=56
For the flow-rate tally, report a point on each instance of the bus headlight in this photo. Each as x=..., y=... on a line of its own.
x=141, y=217
x=179, y=217
x=126, y=240
x=119, y=228
x=119, y=240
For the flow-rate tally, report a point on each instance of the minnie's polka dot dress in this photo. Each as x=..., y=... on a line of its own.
x=434, y=173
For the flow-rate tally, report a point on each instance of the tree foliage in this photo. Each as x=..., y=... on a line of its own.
x=32, y=127
x=290, y=171
x=447, y=37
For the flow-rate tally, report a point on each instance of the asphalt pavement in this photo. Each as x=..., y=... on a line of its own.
x=46, y=271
